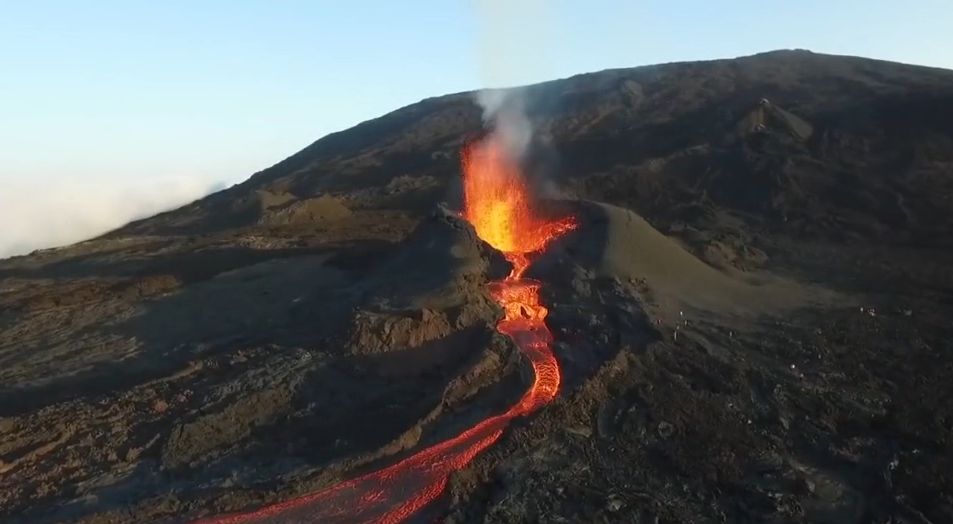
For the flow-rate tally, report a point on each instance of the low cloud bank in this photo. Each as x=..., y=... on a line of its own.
x=42, y=214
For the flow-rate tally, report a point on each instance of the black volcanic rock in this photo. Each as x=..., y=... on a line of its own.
x=752, y=322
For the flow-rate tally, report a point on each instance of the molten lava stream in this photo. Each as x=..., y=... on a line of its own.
x=498, y=206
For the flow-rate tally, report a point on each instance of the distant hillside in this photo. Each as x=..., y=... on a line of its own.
x=807, y=142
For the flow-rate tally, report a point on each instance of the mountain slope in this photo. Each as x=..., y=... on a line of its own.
x=871, y=156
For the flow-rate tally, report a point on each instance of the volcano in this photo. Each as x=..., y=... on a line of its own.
x=709, y=291
x=503, y=213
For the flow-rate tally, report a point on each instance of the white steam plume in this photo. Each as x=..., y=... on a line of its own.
x=40, y=215
x=505, y=111
x=513, y=43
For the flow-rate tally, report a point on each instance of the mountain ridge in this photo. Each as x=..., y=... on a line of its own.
x=584, y=116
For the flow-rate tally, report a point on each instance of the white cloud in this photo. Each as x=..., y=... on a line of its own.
x=46, y=213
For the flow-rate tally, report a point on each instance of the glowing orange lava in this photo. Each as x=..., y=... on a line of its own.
x=504, y=215
x=500, y=207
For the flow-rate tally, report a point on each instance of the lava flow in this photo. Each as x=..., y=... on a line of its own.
x=500, y=208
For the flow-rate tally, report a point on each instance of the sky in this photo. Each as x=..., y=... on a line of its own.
x=115, y=110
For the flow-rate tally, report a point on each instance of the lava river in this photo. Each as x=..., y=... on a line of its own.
x=501, y=211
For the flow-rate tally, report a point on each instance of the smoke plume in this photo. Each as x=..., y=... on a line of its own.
x=512, y=47
x=504, y=110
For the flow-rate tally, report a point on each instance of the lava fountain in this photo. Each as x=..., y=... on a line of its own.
x=502, y=211
x=501, y=208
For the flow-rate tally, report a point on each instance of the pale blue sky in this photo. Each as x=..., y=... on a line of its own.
x=114, y=108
